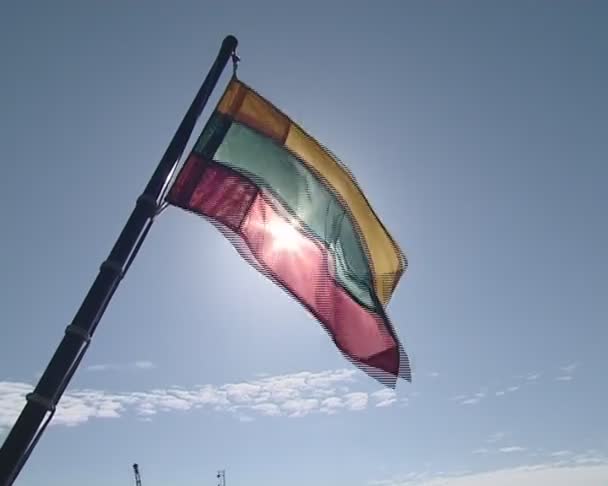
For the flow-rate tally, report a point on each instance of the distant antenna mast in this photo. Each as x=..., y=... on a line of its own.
x=221, y=478
x=137, y=476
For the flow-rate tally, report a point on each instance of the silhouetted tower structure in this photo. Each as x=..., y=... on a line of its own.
x=221, y=478
x=137, y=476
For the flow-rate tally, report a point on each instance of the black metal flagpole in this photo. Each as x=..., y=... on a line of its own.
x=42, y=401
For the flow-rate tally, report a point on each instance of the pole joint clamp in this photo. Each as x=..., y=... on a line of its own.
x=84, y=335
x=40, y=400
x=149, y=204
x=112, y=266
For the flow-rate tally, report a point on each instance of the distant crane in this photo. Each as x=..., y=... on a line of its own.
x=137, y=476
x=221, y=476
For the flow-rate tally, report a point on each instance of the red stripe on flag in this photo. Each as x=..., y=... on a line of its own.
x=278, y=247
x=213, y=190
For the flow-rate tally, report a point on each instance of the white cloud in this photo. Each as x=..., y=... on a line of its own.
x=590, y=457
x=384, y=397
x=510, y=389
x=533, y=376
x=243, y=392
x=144, y=365
x=300, y=407
x=481, y=450
x=561, y=453
x=532, y=475
x=12, y=400
x=567, y=372
x=136, y=365
x=434, y=374
x=564, y=378
x=269, y=409
x=331, y=405
x=403, y=402
x=470, y=401
x=511, y=449
x=496, y=437
x=291, y=395
x=569, y=368
x=356, y=401
x=100, y=367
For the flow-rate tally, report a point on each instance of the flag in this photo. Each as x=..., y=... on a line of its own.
x=296, y=214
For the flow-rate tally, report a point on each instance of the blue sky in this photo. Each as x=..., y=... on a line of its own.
x=477, y=130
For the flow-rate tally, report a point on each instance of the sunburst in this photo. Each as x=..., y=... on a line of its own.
x=285, y=235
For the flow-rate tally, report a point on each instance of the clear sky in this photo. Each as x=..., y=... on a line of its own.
x=478, y=130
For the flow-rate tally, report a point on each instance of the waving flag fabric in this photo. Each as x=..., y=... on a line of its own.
x=295, y=213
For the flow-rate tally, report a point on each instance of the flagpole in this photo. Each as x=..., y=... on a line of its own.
x=41, y=403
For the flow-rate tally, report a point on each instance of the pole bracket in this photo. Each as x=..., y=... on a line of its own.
x=78, y=332
x=112, y=266
x=149, y=204
x=44, y=402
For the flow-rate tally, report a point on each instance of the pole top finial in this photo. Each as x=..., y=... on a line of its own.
x=230, y=42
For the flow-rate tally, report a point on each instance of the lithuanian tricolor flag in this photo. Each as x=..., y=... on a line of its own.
x=295, y=213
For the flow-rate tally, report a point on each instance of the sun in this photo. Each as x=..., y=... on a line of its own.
x=285, y=235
